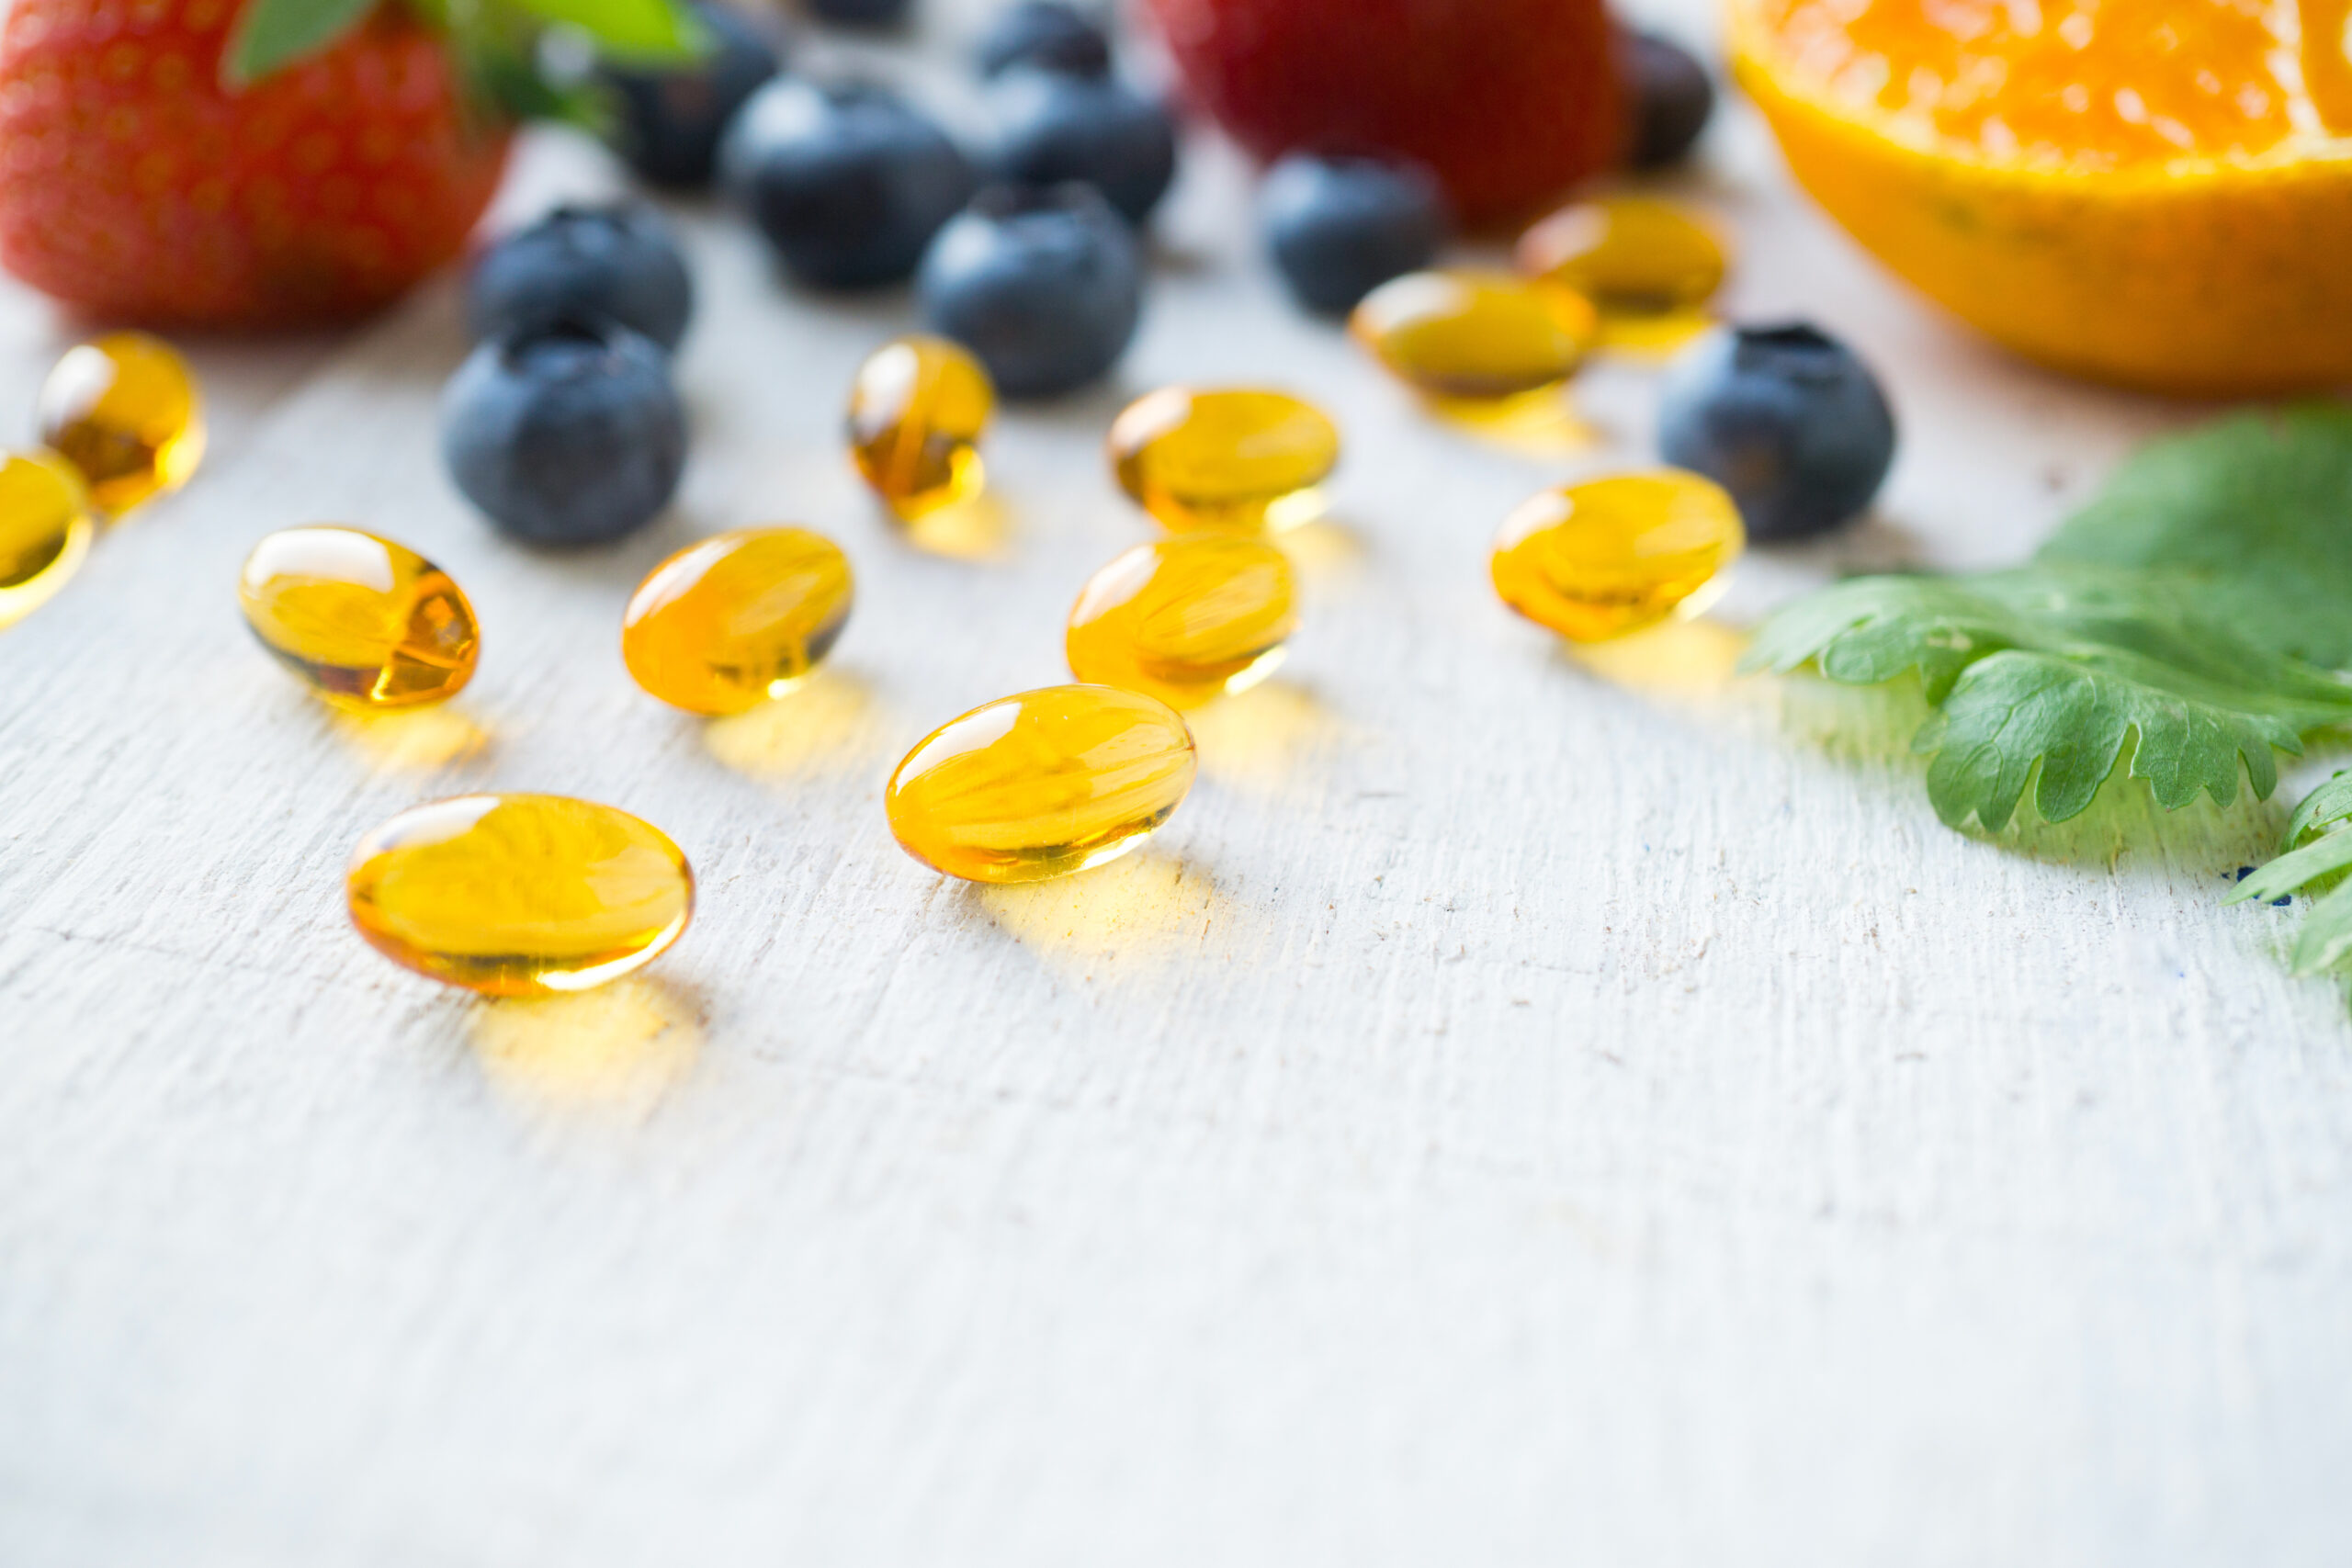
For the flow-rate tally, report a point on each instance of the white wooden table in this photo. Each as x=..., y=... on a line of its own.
x=1525, y=1108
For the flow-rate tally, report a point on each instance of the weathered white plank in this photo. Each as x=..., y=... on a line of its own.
x=1522, y=1109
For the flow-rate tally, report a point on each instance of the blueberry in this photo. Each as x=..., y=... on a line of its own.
x=670, y=120
x=860, y=12
x=619, y=260
x=1042, y=284
x=567, y=434
x=1338, y=226
x=848, y=181
x=1051, y=126
x=1671, y=97
x=1783, y=417
x=1046, y=34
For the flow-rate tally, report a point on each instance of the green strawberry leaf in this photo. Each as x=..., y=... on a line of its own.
x=641, y=32
x=2253, y=510
x=274, y=33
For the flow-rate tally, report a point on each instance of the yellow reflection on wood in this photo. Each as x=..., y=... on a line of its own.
x=614, y=1050
x=1144, y=908
x=1537, y=424
x=433, y=737
x=823, y=725
x=1258, y=738
x=1325, y=547
x=1681, y=657
x=978, y=529
x=1652, y=337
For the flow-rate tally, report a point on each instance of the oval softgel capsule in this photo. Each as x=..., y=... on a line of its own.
x=362, y=620
x=519, y=895
x=1041, y=783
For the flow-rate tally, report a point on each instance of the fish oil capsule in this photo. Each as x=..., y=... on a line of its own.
x=1226, y=457
x=1630, y=255
x=1598, y=560
x=124, y=408
x=1186, y=619
x=916, y=412
x=367, y=623
x=519, y=895
x=726, y=623
x=1475, y=337
x=1040, y=784
x=44, y=530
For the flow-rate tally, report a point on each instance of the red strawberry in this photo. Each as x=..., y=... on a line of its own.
x=1509, y=101
x=133, y=185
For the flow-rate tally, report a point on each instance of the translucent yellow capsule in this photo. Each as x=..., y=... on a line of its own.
x=124, y=408
x=1475, y=337
x=916, y=412
x=1630, y=255
x=44, y=530
x=519, y=895
x=1040, y=784
x=1599, y=560
x=367, y=623
x=1227, y=457
x=1186, y=619
x=737, y=619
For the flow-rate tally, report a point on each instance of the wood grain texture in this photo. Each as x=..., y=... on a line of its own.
x=1523, y=1109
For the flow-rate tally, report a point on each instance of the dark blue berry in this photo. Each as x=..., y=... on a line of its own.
x=1668, y=94
x=670, y=120
x=1338, y=226
x=1044, y=285
x=847, y=181
x=860, y=12
x=569, y=434
x=1046, y=34
x=1050, y=127
x=1783, y=417
x=618, y=260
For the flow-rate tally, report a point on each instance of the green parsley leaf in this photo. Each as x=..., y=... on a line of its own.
x=2167, y=620
x=2317, y=847
x=2254, y=512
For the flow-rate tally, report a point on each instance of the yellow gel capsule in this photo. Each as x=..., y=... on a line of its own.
x=367, y=623
x=1475, y=337
x=1629, y=256
x=519, y=895
x=1186, y=619
x=916, y=412
x=44, y=530
x=1040, y=784
x=125, y=411
x=1232, y=459
x=1599, y=560
x=726, y=623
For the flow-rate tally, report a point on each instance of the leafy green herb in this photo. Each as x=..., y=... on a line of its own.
x=2170, y=620
x=2317, y=847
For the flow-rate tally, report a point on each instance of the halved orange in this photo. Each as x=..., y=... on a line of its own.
x=2151, y=192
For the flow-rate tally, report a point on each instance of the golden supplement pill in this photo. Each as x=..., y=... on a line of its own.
x=1630, y=255
x=1225, y=458
x=916, y=412
x=1475, y=337
x=365, y=621
x=44, y=530
x=1186, y=619
x=729, y=623
x=1599, y=560
x=1040, y=784
x=125, y=411
x=519, y=895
